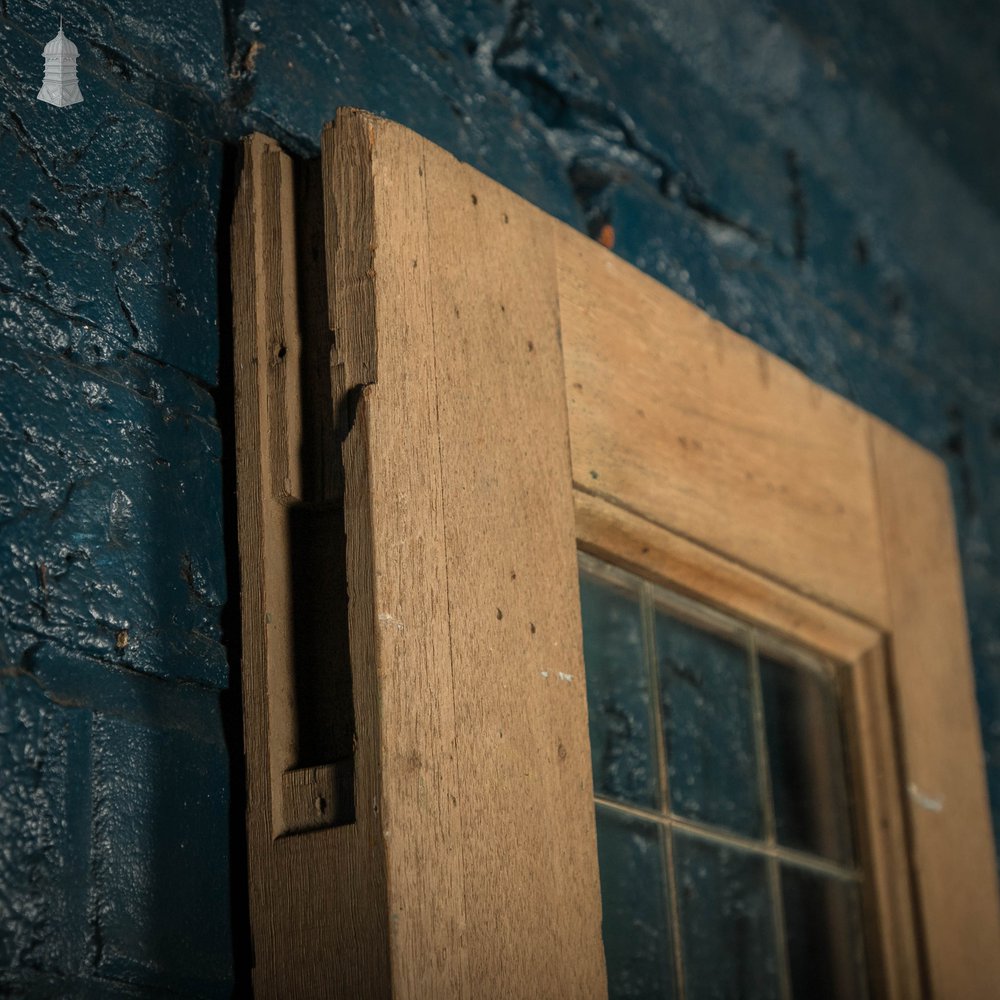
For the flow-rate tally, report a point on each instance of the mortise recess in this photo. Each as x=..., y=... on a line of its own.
x=309, y=698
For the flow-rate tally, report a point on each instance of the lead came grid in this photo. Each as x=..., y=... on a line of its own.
x=726, y=853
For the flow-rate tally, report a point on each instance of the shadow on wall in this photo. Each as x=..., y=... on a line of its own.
x=114, y=769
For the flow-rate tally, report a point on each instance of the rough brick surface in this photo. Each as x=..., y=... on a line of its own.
x=820, y=175
x=40, y=844
x=160, y=831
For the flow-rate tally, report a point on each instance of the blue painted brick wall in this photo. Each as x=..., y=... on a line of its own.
x=819, y=174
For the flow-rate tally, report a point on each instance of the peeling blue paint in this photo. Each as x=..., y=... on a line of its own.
x=821, y=176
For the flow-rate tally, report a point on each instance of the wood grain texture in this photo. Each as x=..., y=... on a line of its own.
x=892, y=930
x=617, y=535
x=378, y=255
x=317, y=900
x=462, y=556
x=471, y=868
x=952, y=837
x=677, y=418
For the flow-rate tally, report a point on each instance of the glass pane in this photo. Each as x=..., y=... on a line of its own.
x=823, y=930
x=618, y=695
x=806, y=756
x=727, y=921
x=637, y=942
x=708, y=727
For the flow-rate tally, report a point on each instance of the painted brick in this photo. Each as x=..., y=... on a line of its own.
x=925, y=59
x=114, y=830
x=160, y=831
x=184, y=40
x=26, y=984
x=44, y=830
x=425, y=65
x=108, y=216
x=107, y=464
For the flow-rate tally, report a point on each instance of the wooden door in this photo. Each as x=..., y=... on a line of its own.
x=441, y=392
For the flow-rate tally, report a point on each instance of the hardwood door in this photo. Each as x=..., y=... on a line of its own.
x=441, y=393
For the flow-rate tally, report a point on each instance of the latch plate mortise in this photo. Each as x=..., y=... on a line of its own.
x=296, y=461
